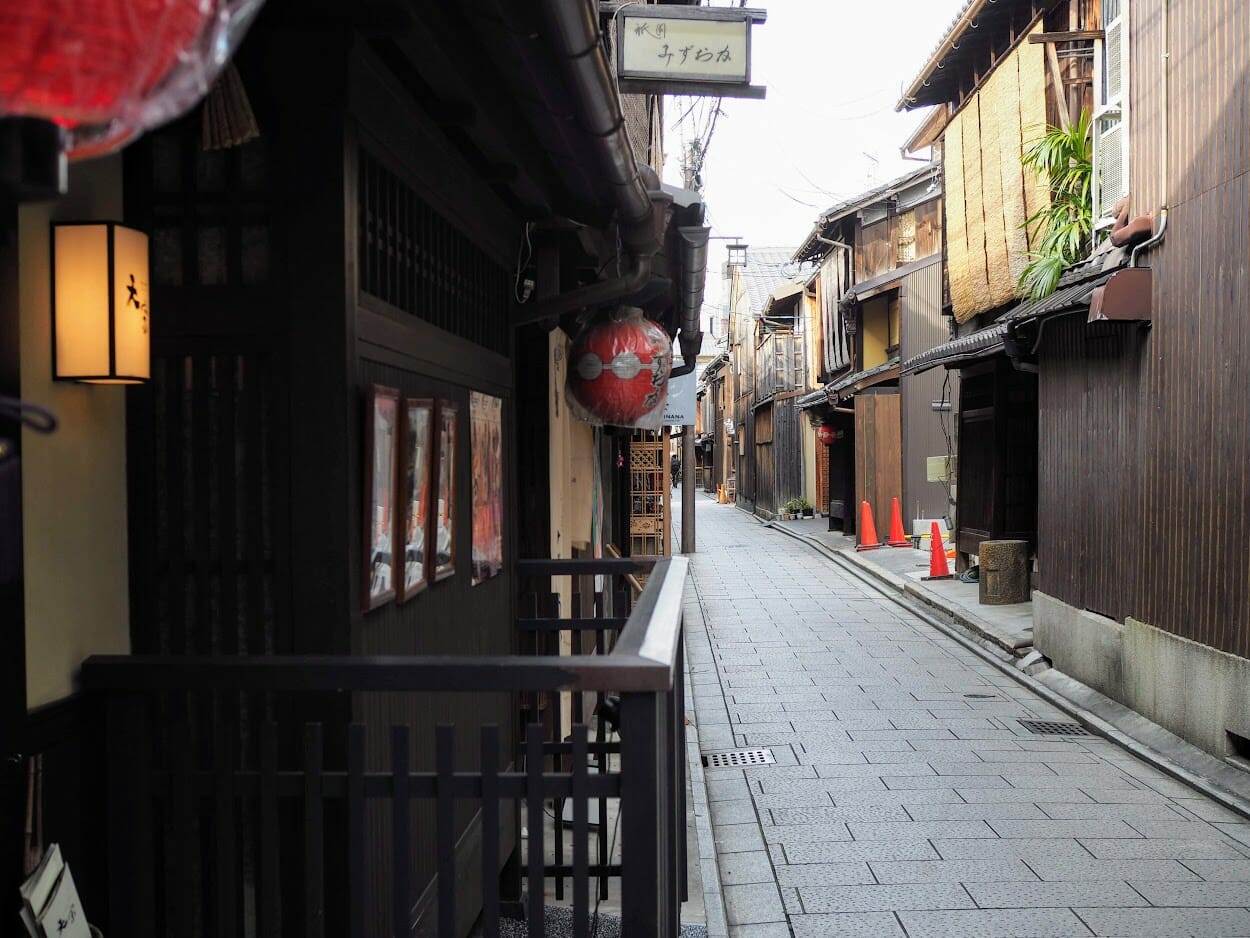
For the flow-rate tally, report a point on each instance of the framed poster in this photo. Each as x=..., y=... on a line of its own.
x=416, y=443
x=444, y=546
x=381, y=448
x=486, y=430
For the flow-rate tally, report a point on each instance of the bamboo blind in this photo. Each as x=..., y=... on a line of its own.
x=989, y=194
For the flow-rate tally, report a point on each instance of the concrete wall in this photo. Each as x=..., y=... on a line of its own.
x=1191, y=689
x=74, y=480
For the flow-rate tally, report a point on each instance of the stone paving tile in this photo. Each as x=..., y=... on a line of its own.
x=1221, y=870
x=1042, y=797
x=766, y=930
x=1207, y=810
x=1059, y=851
x=806, y=833
x=1005, y=870
x=1075, y=870
x=842, y=813
x=1054, y=895
x=1041, y=829
x=1239, y=831
x=728, y=789
x=749, y=866
x=904, y=797
x=848, y=925
x=1180, y=829
x=908, y=830
x=870, y=898
x=1167, y=922
x=1161, y=849
x=1129, y=813
x=994, y=923
x=753, y=904
x=959, y=782
x=735, y=838
x=852, y=851
x=733, y=812
x=824, y=874
x=1010, y=811
x=1200, y=895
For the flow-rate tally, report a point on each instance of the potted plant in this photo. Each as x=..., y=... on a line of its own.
x=805, y=507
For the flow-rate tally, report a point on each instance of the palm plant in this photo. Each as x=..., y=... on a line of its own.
x=1061, y=230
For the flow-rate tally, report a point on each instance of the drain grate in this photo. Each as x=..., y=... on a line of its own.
x=1052, y=728
x=738, y=757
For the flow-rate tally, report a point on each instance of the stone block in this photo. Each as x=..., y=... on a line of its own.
x=1004, y=576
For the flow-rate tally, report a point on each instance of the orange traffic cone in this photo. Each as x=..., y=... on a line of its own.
x=938, y=570
x=867, y=530
x=897, y=537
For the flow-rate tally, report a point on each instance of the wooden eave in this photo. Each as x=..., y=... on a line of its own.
x=979, y=42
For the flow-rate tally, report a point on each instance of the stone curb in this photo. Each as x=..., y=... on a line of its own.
x=705, y=848
x=1098, y=713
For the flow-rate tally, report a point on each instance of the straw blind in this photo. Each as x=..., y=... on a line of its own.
x=989, y=194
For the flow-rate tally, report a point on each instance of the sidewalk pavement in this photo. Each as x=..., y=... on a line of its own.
x=907, y=798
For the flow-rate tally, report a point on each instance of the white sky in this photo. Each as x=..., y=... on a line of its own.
x=827, y=130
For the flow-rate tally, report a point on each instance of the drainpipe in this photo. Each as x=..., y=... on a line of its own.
x=836, y=244
x=636, y=188
x=694, y=240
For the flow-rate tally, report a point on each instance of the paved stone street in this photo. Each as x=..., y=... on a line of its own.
x=906, y=798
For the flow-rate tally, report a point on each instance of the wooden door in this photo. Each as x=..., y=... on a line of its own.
x=878, y=453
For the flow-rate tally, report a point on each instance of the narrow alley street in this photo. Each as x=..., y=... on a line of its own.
x=907, y=797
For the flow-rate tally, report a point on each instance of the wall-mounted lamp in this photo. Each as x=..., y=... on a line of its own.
x=99, y=303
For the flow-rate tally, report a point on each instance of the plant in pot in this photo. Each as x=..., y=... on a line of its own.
x=805, y=507
x=790, y=509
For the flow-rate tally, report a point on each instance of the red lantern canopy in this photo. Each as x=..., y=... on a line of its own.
x=827, y=434
x=619, y=367
x=105, y=70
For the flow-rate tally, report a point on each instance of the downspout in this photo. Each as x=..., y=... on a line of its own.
x=694, y=240
x=1163, y=146
x=584, y=62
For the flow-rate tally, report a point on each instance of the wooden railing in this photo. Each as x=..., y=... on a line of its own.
x=200, y=843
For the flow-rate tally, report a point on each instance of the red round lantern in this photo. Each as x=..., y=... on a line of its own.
x=827, y=434
x=619, y=367
x=107, y=69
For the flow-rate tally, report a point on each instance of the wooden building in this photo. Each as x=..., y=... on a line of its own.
x=436, y=195
x=1000, y=75
x=1140, y=495
x=751, y=287
x=879, y=291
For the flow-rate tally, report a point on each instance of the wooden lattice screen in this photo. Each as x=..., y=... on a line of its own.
x=414, y=259
x=649, y=507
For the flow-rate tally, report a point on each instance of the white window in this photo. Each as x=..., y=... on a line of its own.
x=1111, y=77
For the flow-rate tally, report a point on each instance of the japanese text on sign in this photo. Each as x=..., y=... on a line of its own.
x=686, y=49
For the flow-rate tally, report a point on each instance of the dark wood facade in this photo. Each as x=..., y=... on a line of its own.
x=998, y=446
x=925, y=432
x=346, y=247
x=1160, y=416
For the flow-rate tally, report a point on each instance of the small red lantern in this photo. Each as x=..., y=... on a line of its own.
x=619, y=367
x=827, y=434
x=105, y=70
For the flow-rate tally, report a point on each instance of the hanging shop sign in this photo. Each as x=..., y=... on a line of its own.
x=686, y=50
x=679, y=409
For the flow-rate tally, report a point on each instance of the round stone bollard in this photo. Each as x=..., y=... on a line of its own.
x=1004, y=573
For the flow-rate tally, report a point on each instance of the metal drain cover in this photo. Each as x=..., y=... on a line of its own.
x=739, y=757
x=1051, y=728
